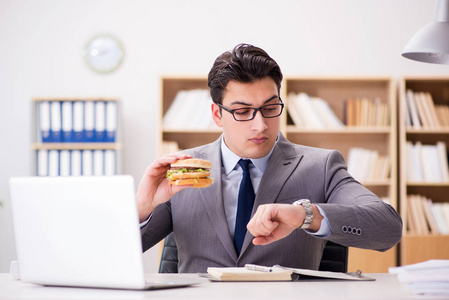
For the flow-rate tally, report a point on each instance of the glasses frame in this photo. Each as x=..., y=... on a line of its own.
x=255, y=110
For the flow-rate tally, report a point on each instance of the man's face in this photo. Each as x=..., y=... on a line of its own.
x=254, y=138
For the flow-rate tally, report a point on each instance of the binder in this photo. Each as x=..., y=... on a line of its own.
x=89, y=121
x=44, y=121
x=53, y=163
x=78, y=122
x=67, y=113
x=55, y=121
x=111, y=121
x=109, y=163
x=98, y=162
x=87, y=164
x=64, y=162
x=42, y=162
x=100, y=121
x=75, y=163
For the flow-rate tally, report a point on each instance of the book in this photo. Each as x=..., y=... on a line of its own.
x=411, y=104
x=277, y=273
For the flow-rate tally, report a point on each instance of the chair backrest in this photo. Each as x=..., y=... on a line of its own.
x=335, y=257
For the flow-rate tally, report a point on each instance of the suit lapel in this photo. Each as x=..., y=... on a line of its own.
x=282, y=163
x=212, y=197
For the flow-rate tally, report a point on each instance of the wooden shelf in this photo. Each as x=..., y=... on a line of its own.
x=76, y=146
x=346, y=130
x=335, y=91
x=418, y=248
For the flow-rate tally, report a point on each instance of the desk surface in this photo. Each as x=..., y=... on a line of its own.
x=385, y=287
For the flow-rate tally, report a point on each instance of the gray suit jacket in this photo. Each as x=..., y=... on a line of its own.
x=197, y=217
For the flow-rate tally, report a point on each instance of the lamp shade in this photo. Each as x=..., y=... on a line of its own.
x=431, y=43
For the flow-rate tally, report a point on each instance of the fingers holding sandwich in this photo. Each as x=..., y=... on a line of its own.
x=153, y=188
x=181, y=170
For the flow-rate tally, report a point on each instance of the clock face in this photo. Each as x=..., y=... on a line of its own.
x=104, y=53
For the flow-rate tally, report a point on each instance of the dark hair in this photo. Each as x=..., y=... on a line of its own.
x=245, y=63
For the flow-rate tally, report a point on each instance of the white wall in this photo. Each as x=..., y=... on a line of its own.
x=41, y=43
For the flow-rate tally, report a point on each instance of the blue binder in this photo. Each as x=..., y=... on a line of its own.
x=78, y=122
x=89, y=122
x=111, y=122
x=44, y=121
x=67, y=121
x=55, y=122
x=100, y=121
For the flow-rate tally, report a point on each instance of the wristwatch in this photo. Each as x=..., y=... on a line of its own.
x=309, y=213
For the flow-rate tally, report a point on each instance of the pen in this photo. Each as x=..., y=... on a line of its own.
x=258, y=268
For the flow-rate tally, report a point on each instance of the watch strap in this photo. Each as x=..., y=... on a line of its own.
x=309, y=213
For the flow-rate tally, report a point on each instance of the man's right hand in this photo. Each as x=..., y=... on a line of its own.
x=154, y=188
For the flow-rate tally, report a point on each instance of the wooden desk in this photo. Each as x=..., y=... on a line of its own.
x=385, y=287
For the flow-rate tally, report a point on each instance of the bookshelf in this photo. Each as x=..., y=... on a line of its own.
x=184, y=138
x=335, y=91
x=66, y=144
x=417, y=247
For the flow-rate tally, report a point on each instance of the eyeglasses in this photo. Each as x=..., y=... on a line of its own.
x=249, y=113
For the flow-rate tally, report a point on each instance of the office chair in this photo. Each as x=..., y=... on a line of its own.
x=335, y=257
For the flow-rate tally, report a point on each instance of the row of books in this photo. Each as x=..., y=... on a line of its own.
x=76, y=162
x=427, y=217
x=191, y=109
x=77, y=121
x=366, y=164
x=421, y=111
x=426, y=163
x=315, y=113
x=311, y=112
x=366, y=112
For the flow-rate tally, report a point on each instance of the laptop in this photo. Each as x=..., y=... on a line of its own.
x=79, y=231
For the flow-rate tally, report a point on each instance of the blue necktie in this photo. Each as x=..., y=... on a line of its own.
x=244, y=206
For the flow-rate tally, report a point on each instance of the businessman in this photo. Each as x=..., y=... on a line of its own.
x=296, y=197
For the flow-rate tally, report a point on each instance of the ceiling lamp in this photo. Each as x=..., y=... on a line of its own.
x=431, y=43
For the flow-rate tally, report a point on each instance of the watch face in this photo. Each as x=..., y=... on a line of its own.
x=104, y=53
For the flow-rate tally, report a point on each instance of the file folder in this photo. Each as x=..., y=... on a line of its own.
x=75, y=163
x=67, y=121
x=55, y=122
x=109, y=163
x=44, y=121
x=42, y=162
x=64, y=163
x=111, y=121
x=89, y=121
x=87, y=162
x=78, y=122
x=53, y=163
x=98, y=162
x=100, y=121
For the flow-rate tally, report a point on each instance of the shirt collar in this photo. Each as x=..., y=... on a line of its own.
x=230, y=159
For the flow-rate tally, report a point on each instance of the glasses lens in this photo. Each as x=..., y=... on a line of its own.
x=243, y=114
x=271, y=111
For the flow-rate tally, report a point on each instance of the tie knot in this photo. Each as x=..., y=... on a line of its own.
x=244, y=163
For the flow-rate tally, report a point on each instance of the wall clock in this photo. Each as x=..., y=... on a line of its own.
x=104, y=53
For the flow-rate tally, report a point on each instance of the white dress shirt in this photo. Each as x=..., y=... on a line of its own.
x=232, y=177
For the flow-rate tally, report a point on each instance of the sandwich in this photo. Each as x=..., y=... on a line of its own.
x=192, y=171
